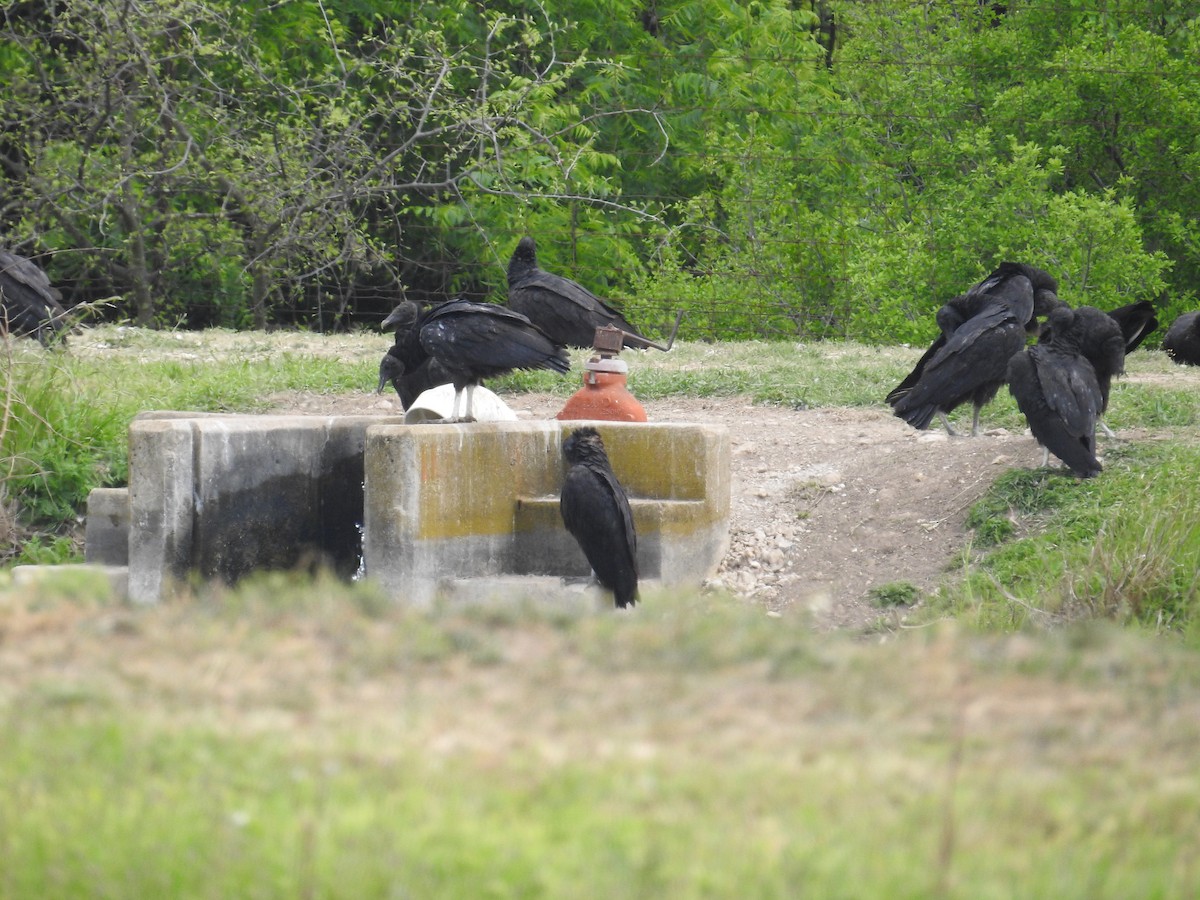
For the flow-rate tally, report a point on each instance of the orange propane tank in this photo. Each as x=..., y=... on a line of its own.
x=604, y=394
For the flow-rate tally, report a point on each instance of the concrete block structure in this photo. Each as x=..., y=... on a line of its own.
x=219, y=496
x=424, y=510
x=106, y=527
x=452, y=503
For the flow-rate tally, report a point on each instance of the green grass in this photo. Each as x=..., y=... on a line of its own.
x=115, y=809
x=291, y=738
x=1124, y=546
x=675, y=752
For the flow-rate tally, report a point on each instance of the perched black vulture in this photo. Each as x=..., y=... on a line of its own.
x=1056, y=388
x=1102, y=343
x=1137, y=321
x=566, y=311
x=29, y=304
x=1182, y=341
x=596, y=512
x=981, y=330
x=473, y=341
x=960, y=309
x=406, y=365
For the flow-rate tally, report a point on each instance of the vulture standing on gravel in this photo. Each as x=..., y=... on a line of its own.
x=566, y=311
x=1182, y=341
x=406, y=365
x=29, y=304
x=1056, y=388
x=595, y=510
x=474, y=341
x=981, y=330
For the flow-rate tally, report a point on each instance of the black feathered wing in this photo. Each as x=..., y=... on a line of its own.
x=596, y=511
x=1069, y=386
x=477, y=340
x=1059, y=397
x=975, y=356
x=910, y=380
x=567, y=311
x=1136, y=321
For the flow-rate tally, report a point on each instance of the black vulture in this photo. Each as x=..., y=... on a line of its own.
x=962, y=308
x=406, y=365
x=473, y=341
x=1056, y=388
x=1182, y=341
x=595, y=510
x=1103, y=343
x=1137, y=322
x=566, y=311
x=981, y=330
x=29, y=304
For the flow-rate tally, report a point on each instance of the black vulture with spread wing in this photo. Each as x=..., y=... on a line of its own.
x=1137, y=322
x=1182, y=340
x=474, y=341
x=1056, y=388
x=981, y=330
x=1015, y=285
x=406, y=365
x=565, y=310
x=595, y=510
x=29, y=304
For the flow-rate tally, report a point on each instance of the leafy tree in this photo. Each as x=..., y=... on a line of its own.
x=215, y=139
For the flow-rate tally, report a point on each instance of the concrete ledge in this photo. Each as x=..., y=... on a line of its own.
x=220, y=496
x=459, y=511
x=480, y=501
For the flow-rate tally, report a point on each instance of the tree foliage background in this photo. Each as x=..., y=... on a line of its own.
x=779, y=168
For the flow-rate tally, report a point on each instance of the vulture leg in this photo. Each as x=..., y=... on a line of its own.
x=454, y=407
x=468, y=414
x=946, y=422
x=975, y=422
x=1045, y=457
x=1112, y=435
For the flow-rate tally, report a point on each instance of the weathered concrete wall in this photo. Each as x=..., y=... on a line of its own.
x=106, y=528
x=221, y=496
x=452, y=502
x=466, y=507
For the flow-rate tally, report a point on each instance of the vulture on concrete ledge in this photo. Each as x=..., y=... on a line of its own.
x=595, y=510
x=406, y=365
x=474, y=341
